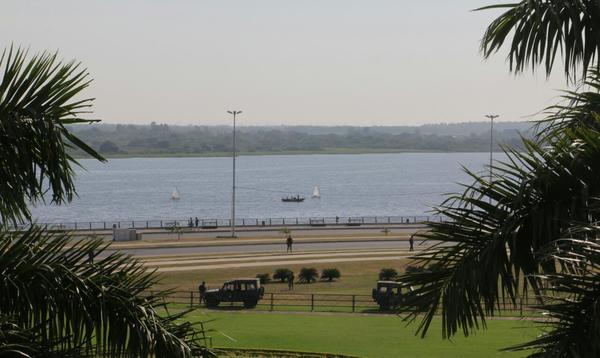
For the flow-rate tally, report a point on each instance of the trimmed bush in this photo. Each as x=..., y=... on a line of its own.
x=388, y=274
x=308, y=275
x=330, y=274
x=282, y=274
x=263, y=277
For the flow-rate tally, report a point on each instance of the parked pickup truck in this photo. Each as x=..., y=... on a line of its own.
x=248, y=291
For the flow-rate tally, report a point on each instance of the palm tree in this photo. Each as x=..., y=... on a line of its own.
x=531, y=228
x=542, y=28
x=54, y=301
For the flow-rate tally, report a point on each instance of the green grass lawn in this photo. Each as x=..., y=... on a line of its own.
x=360, y=335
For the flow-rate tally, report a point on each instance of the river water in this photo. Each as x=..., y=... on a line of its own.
x=351, y=185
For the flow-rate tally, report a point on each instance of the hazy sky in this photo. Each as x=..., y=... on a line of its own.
x=357, y=62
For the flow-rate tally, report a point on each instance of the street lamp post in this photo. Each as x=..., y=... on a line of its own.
x=234, y=113
x=491, y=117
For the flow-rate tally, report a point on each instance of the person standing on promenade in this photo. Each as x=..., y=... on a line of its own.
x=290, y=280
x=202, y=291
x=197, y=221
x=411, y=242
x=289, y=242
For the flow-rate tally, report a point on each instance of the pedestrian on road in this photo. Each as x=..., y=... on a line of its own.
x=197, y=221
x=337, y=219
x=289, y=242
x=202, y=291
x=411, y=241
x=290, y=280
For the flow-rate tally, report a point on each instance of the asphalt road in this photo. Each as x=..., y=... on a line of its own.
x=270, y=248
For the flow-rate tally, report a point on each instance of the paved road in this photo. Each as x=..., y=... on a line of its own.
x=271, y=248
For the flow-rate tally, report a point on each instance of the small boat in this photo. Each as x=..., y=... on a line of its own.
x=293, y=199
x=316, y=193
x=175, y=194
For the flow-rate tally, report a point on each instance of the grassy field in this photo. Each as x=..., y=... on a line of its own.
x=357, y=278
x=360, y=335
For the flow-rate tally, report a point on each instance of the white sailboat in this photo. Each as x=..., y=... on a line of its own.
x=316, y=192
x=175, y=194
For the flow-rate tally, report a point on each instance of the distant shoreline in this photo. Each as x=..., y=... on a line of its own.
x=295, y=152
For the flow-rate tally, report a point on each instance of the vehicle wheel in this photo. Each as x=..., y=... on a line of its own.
x=250, y=303
x=211, y=303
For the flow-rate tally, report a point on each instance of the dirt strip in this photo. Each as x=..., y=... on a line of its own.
x=278, y=263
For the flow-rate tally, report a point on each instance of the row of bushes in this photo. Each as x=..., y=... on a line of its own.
x=306, y=275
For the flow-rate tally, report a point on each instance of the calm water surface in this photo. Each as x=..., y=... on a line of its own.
x=351, y=185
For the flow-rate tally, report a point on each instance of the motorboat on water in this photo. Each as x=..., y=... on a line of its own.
x=293, y=199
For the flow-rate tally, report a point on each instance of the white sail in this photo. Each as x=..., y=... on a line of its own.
x=316, y=192
x=175, y=194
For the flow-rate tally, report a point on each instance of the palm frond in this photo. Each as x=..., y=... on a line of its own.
x=38, y=98
x=541, y=29
x=496, y=229
x=104, y=307
x=573, y=310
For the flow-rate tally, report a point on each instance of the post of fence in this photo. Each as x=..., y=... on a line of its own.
x=388, y=219
x=271, y=308
x=353, y=303
x=146, y=224
x=90, y=225
x=312, y=302
x=75, y=225
x=521, y=304
x=296, y=221
x=191, y=299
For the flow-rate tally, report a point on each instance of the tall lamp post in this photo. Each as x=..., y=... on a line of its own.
x=234, y=113
x=491, y=117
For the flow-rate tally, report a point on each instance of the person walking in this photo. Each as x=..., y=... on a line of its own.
x=411, y=242
x=289, y=242
x=202, y=291
x=290, y=281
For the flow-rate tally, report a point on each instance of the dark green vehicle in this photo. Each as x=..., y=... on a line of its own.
x=248, y=291
x=389, y=294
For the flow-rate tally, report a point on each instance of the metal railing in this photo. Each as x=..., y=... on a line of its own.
x=243, y=222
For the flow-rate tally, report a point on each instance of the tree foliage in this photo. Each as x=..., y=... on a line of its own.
x=388, y=274
x=308, y=275
x=52, y=295
x=37, y=102
x=501, y=239
x=54, y=302
x=539, y=30
x=330, y=274
x=282, y=274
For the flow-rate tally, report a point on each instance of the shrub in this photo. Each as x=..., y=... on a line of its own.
x=330, y=274
x=282, y=274
x=308, y=275
x=387, y=274
x=263, y=277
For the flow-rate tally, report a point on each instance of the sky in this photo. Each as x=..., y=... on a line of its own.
x=282, y=62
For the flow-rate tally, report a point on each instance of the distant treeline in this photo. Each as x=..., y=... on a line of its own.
x=164, y=140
